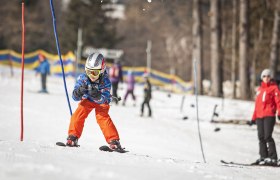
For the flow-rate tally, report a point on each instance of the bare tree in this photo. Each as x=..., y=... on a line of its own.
x=275, y=43
x=215, y=45
x=197, y=43
x=178, y=50
x=243, y=50
x=256, y=55
x=234, y=47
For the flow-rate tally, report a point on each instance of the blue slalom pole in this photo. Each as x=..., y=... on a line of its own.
x=197, y=117
x=59, y=54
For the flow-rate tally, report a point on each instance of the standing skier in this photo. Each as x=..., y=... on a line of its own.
x=44, y=70
x=266, y=104
x=92, y=89
x=147, y=95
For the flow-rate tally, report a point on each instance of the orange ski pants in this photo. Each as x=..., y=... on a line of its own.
x=103, y=119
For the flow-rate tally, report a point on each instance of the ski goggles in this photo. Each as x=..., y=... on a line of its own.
x=93, y=73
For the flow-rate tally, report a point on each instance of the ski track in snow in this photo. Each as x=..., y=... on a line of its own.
x=161, y=147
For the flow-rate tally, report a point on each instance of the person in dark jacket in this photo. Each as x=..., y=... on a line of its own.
x=44, y=70
x=147, y=95
x=267, y=103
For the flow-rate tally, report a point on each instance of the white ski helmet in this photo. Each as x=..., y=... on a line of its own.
x=95, y=65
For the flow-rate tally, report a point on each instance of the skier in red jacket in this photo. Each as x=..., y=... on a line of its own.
x=267, y=103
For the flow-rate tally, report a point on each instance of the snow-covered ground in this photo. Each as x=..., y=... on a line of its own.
x=162, y=147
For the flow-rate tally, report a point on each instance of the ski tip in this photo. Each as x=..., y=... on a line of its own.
x=105, y=148
x=60, y=144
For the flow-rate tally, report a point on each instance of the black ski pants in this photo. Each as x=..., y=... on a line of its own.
x=266, y=142
x=44, y=81
x=147, y=102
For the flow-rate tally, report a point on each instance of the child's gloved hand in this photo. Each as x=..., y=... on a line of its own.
x=94, y=93
x=82, y=89
x=79, y=92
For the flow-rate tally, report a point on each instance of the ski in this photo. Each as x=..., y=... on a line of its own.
x=244, y=164
x=102, y=148
x=238, y=164
x=64, y=145
x=107, y=149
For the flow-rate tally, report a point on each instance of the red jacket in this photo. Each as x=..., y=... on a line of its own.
x=267, y=101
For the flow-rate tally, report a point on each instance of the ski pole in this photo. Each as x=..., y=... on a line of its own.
x=197, y=117
x=116, y=98
x=214, y=113
x=113, y=97
x=182, y=104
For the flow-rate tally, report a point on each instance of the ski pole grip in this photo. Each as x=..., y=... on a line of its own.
x=117, y=98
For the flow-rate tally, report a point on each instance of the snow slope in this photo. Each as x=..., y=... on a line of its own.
x=161, y=147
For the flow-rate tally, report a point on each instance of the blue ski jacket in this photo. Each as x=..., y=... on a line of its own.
x=44, y=67
x=103, y=84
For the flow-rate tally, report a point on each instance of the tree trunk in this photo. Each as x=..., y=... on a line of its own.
x=197, y=43
x=216, y=63
x=255, y=57
x=274, y=44
x=234, y=47
x=243, y=50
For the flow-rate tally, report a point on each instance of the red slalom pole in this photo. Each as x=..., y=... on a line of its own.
x=22, y=69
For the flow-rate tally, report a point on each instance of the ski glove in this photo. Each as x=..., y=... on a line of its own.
x=94, y=93
x=250, y=123
x=79, y=92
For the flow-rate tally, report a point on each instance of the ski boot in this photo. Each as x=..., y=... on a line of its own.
x=270, y=162
x=115, y=145
x=278, y=162
x=259, y=162
x=72, y=141
x=43, y=91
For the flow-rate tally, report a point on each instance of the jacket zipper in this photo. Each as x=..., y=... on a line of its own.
x=263, y=98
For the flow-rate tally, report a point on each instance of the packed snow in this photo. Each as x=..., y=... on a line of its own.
x=162, y=147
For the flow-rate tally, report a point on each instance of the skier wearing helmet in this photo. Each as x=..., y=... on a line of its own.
x=92, y=89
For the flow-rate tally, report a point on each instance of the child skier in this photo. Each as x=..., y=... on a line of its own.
x=266, y=104
x=130, y=80
x=92, y=89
